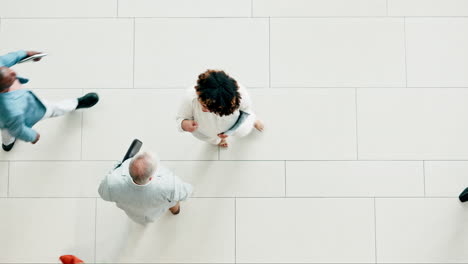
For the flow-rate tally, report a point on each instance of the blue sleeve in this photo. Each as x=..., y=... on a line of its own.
x=12, y=58
x=19, y=130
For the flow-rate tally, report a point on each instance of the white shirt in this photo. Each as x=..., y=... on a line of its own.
x=144, y=203
x=210, y=124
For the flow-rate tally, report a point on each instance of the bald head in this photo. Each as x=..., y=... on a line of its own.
x=142, y=168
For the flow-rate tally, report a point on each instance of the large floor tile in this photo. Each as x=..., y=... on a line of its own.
x=337, y=52
x=191, y=8
x=3, y=179
x=446, y=178
x=305, y=230
x=300, y=124
x=40, y=230
x=436, y=52
x=83, y=53
x=173, y=52
x=202, y=233
x=60, y=136
x=58, y=8
x=57, y=179
x=427, y=7
x=422, y=230
x=354, y=178
x=148, y=115
x=232, y=178
x=414, y=124
x=304, y=8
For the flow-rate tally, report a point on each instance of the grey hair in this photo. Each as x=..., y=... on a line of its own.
x=142, y=167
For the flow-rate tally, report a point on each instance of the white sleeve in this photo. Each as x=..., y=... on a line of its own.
x=104, y=190
x=182, y=190
x=246, y=101
x=185, y=110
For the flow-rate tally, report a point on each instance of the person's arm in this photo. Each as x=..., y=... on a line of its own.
x=175, y=190
x=12, y=58
x=182, y=190
x=19, y=130
x=185, y=111
x=246, y=101
x=104, y=190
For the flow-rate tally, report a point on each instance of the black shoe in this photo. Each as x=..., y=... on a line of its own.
x=9, y=147
x=88, y=100
x=464, y=196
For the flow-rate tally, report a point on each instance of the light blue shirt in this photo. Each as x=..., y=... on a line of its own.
x=144, y=203
x=20, y=110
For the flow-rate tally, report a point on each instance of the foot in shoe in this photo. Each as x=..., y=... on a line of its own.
x=88, y=100
x=8, y=147
x=464, y=196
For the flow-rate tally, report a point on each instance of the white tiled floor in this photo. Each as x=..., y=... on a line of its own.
x=363, y=156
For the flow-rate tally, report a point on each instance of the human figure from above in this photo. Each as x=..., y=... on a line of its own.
x=21, y=109
x=144, y=189
x=212, y=109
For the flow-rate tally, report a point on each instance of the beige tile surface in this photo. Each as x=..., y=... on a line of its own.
x=83, y=53
x=305, y=230
x=337, y=52
x=171, y=53
x=40, y=230
x=232, y=178
x=355, y=178
x=202, y=233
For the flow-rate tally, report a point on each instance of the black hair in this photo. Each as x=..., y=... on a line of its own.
x=218, y=92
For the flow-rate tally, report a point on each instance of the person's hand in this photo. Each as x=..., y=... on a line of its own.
x=37, y=139
x=222, y=136
x=189, y=125
x=32, y=53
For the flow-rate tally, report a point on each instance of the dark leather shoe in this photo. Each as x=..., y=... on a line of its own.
x=88, y=100
x=464, y=196
x=8, y=147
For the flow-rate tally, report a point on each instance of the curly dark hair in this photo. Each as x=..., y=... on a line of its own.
x=218, y=92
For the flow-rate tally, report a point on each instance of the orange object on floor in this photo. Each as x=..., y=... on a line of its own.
x=70, y=259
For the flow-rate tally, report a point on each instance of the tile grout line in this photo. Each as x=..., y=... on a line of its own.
x=95, y=228
x=178, y=89
x=406, y=64
x=269, y=52
x=227, y=17
x=82, y=122
x=117, y=11
x=134, y=50
x=235, y=229
x=375, y=230
x=227, y=160
x=424, y=177
x=8, y=179
x=356, y=116
x=251, y=8
x=285, y=180
x=386, y=7
x=255, y=197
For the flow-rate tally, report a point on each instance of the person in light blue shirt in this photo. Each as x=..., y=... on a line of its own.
x=144, y=189
x=21, y=109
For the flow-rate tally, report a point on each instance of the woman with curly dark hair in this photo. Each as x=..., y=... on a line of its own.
x=217, y=108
